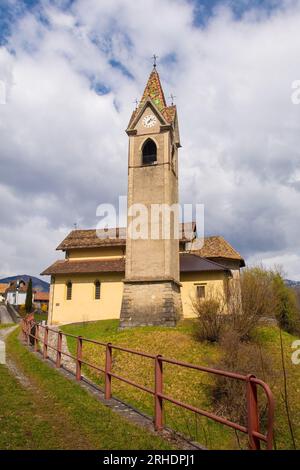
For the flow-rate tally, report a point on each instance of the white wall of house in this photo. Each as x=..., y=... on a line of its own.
x=16, y=298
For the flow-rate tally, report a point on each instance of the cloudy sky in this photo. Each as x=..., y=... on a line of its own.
x=72, y=70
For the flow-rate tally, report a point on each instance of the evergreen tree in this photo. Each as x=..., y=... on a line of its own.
x=28, y=301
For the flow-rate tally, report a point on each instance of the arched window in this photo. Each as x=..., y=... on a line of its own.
x=97, y=290
x=149, y=152
x=69, y=290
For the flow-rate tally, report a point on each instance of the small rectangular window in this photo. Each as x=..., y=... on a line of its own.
x=69, y=290
x=97, y=290
x=200, y=292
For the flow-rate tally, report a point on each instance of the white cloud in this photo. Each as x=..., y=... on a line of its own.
x=63, y=146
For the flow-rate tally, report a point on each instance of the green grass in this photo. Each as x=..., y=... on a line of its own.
x=40, y=316
x=56, y=413
x=6, y=325
x=269, y=338
x=186, y=385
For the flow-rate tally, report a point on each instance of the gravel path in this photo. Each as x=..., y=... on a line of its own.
x=11, y=364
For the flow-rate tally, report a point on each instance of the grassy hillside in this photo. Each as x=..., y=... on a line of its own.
x=192, y=387
x=52, y=412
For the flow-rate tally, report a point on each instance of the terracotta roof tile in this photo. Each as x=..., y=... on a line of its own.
x=169, y=113
x=86, y=266
x=154, y=91
x=41, y=296
x=110, y=237
x=188, y=263
x=3, y=288
x=214, y=246
x=217, y=247
x=94, y=239
x=18, y=284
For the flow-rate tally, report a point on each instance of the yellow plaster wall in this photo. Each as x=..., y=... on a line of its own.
x=215, y=283
x=96, y=253
x=83, y=306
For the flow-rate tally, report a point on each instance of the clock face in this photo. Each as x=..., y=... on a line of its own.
x=149, y=120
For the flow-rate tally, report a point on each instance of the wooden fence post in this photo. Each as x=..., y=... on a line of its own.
x=158, y=390
x=24, y=330
x=59, y=348
x=36, y=338
x=78, y=357
x=252, y=413
x=28, y=331
x=45, y=350
x=108, y=367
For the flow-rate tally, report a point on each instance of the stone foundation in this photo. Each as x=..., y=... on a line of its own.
x=149, y=303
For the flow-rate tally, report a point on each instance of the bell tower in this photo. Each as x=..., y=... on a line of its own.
x=151, y=294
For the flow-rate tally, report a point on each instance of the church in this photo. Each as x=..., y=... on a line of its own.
x=142, y=280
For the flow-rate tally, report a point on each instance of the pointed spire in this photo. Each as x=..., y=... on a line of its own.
x=154, y=91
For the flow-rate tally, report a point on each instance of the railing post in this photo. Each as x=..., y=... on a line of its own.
x=45, y=350
x=78, y=357
x=108, y=366
x=36, y=338
x=158, y=390
x=24, y=330
x=59, y=348
x=252, y=413
x=28, y=333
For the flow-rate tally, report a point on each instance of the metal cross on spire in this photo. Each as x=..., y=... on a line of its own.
x=172, y=97
x=136, y=102
x=154, y=57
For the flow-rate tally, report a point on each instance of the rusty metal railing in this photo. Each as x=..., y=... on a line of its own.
x=255, y=437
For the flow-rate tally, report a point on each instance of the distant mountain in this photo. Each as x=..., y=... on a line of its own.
x=37, y=283
x=292, y=283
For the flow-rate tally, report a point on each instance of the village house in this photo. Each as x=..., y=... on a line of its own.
x=110, y=274
x=16, y=292
x=3, y=288
x=41, y=299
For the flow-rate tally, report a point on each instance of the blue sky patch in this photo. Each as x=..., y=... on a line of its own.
x=10, y=13
x=204, y=9
x=116, y=64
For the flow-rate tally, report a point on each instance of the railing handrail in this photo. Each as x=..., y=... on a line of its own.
x=252, y=428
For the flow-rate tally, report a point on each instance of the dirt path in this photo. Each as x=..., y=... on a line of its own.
x=4, y=315
x=11, y=365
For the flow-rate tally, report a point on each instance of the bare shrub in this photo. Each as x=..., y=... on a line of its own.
x=228, y=395
x=210, y=313
x=250, y=299
x=240, y=308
